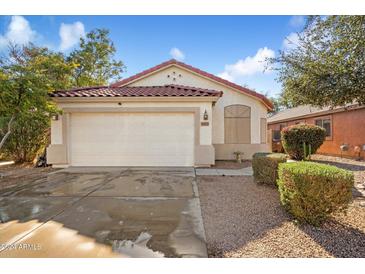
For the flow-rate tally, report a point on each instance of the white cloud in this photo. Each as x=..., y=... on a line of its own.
x=70, y=34
x=177, y=54
x=291, y=41
x=226, y=75
x=297, y=21
x=248, y=66
x=18, y=32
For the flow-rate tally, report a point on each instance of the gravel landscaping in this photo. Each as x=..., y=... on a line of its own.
x=357, y=167
x=244, y=219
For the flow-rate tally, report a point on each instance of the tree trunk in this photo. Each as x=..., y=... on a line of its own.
x=7, y=134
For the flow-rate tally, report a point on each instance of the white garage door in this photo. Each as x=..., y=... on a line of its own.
x=132, y=139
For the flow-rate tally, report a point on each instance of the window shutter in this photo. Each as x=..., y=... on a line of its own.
x=237, y=124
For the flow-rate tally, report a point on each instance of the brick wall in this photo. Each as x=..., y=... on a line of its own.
x=348, y=127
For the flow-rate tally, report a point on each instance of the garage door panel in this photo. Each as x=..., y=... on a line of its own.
x=132, y=139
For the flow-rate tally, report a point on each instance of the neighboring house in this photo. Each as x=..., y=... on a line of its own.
x=345, y=128
x=170, y=115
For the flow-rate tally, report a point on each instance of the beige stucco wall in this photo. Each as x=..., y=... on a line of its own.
x=56, y=131
x=230, y=96
x=225, y=151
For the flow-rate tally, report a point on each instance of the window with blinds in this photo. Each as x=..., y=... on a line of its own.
x=326, y=124
x=237, y=124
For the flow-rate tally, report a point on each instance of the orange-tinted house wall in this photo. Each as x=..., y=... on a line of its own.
x=348, y=127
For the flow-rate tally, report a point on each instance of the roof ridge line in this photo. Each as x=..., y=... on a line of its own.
x=81, y=88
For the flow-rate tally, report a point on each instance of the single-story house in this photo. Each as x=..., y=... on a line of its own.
x=172, y=114
x=345, y=127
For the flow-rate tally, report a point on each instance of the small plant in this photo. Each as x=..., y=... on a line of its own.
x=265, y=167
x=238, y=156
x=307, y=149
x=312, y=191
x=297, y=138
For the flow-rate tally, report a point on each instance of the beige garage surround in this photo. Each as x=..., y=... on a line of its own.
x=129, y=136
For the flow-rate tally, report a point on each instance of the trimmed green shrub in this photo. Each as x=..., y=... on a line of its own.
x=265, y=166
x=312, y=191
x=294, y=137
x=29, y=136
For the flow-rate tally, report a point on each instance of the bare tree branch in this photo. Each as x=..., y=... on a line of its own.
x=7, y=134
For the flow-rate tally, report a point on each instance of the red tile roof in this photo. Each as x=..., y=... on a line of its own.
x=244, y=90
x=147, y=91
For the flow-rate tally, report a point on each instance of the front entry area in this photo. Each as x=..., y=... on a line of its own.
x=131, y=139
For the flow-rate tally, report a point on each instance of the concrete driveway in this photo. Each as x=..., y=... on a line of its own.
x=104, y=212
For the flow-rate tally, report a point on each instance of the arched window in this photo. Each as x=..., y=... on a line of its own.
x=237, y=124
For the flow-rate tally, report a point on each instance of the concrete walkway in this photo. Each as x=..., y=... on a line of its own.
x=247, y=171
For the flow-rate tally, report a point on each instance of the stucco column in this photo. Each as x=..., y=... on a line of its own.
x=57, y=151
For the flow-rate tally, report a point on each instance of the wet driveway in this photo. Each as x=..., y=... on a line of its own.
x=104, y=212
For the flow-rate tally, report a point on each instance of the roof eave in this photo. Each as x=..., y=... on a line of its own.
x=315, y=114
x=136, y=99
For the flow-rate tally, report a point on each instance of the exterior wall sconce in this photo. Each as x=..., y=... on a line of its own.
x=55, y=117
x=205, y=116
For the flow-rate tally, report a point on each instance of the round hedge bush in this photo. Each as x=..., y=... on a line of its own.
x=311, y=192
x=293, y=137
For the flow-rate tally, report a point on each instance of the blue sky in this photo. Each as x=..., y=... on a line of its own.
x=232, y=47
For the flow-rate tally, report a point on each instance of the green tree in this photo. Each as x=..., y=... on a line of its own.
x=27, y=75
x=326, y=67
x=278, y=103
x=30, y=135
x=94, y=60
